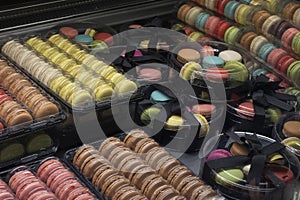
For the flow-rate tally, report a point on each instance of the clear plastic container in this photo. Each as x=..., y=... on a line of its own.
x=241, y=189
x=278, y=133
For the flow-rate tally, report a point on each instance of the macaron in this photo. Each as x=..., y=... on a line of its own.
x=288, y=37
x=273, y=114
x=204, y=109
x=38, y=142
x=284, y=173
x=257, y=43
x=216, y=74
x=269, y=25
x=187, y=55
x=106, y=37
x=275, y=55
x=218, y=153
x=229, y=177
x=246, y=110
x=291, y=129
x=292, y=142
x=174, y=123
x=149, y=74
x=211, y=25
x=11, y=150
x=133, y=137
x=230, y=8
x=243, y=14
x=230, y=55
x=82, y=38
x=237, y=71
x=182, y=11
x=204, y=125
x=212, y=62
x=191, y=15
x=237, y=149
x=223, y=25
x=200, y=20
x=231, y=34
x=259, y=18
x=159, y=97
x=246, y=39
x=186, y=72
x=289, y=10
x=265, y=50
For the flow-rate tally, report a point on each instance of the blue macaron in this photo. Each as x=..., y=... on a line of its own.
x=230, y=9
x=201, y=20
x=212, y=61
x=265, y=50
x=85, y=39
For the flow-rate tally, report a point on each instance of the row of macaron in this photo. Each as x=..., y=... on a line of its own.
x=142, y=162
x=287, y=9
x=52, y=180
x=15, y=148
x=272, y=27
x=56, y=79
x=251, y=41
x=27, y=94
x=90, y=37
x=70, y=55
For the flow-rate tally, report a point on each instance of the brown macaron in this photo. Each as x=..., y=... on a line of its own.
x=168, y=194
x=82, y=154
x=128, y=193
x=291, y=129
x=144, y=146
x=121, y=155
x=44, y=109
x=18, y=116
x=8, y=80
x=103, y=174
x=237, y=149
x=246, y=39
x=18, y=85
x=188, y=55
x=202, y=192
x=159, y=190
x=168, y=166
x=182, y=11
x=177, y=174
x=6, y=71
x=115, y=180
x=81, y=150
x=127, y=168
x=141, y=175
x=259, y=18
x=153, y=186
x=109, y=144
x=133, y=137
x=92, y=166
x=154, y=155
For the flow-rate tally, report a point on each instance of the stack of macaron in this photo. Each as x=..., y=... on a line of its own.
x=151, y=184
x=243, y=113
x=216, y=66
x=120, y=83
x=62, y=181
x=116, y=167
x=233, y=182
x=258, y=45
x=45, y=73
x=19, y=92
x=103, y=175
x=91, y=38
x=176, y=174
x=6, y=192
x=52, y=180
x=13, y=149
x=286, y=131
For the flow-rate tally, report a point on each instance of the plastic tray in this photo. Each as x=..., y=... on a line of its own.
x=36, y=124
x=33, y=167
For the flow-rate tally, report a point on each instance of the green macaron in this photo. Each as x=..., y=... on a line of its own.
x=149, y=114
x=38, y=142
x=273, y=114
x=229, y=176
x=231, y=35
x=11, y=151
x=237, y=71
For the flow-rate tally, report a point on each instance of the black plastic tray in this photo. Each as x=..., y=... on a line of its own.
x=33, y=166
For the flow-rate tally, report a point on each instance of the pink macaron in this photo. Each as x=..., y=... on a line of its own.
x=218, y=153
